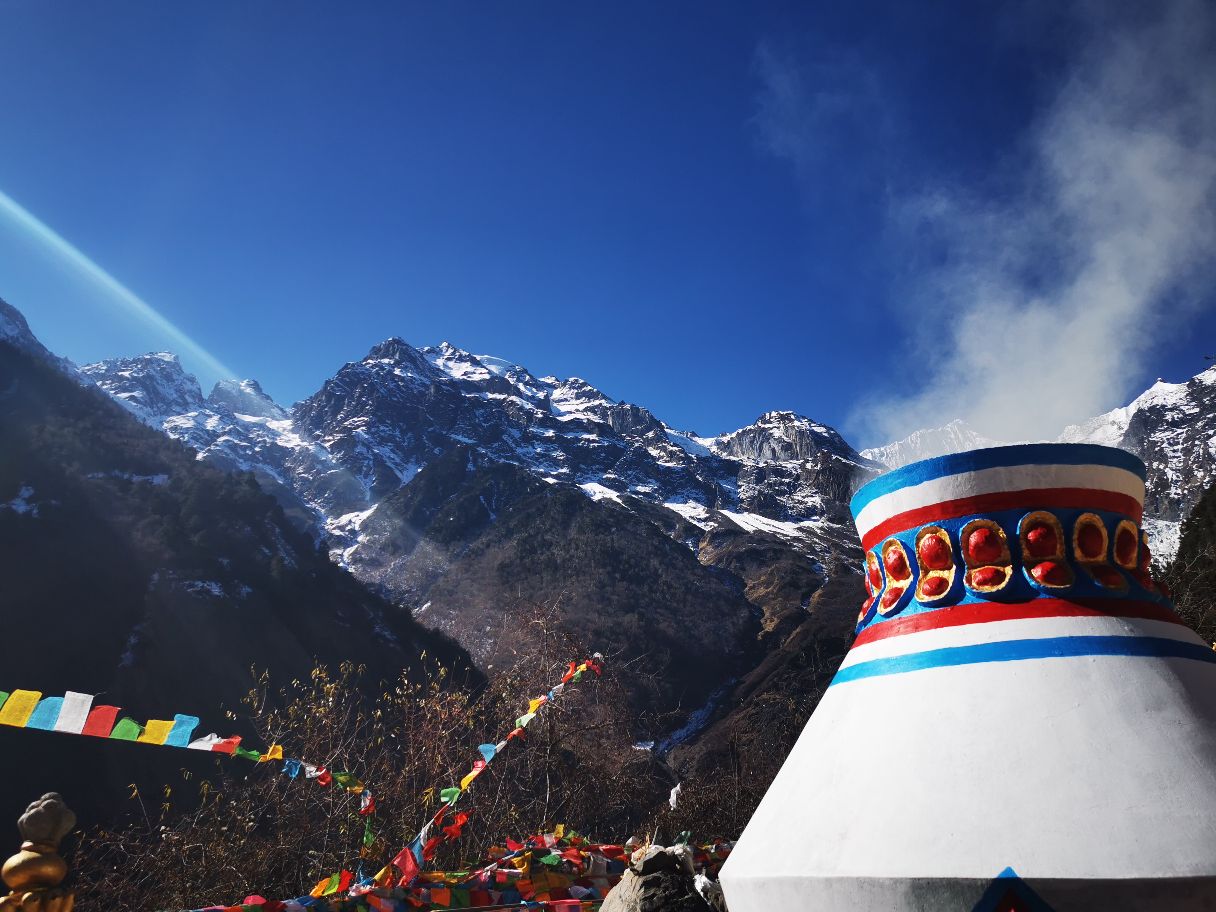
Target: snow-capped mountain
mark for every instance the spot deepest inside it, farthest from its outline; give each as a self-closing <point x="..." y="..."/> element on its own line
<point x="955" y="437"/>
<point x="237" y="427"/>
<point x="151" y="387"/>
<point x="346" y="460"/>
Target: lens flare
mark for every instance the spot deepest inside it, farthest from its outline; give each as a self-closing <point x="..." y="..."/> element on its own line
<point x="113" y="289"/>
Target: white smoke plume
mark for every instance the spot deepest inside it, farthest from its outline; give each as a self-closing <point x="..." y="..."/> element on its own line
<point x="1034" y="305"/>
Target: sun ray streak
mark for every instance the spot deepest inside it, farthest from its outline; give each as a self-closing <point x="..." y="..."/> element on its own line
<point x="115" y="290"/>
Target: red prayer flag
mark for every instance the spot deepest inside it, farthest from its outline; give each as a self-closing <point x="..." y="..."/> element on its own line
<point x="407" y="864"/>
<point x="100" y="721"/>
<point x="226" y="745"/>
<point x="432" y="845"/>
<point x="452" y="830"/>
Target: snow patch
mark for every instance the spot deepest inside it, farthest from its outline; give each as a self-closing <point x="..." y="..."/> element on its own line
<point x="203" y="587"/>
<point x="597" y="491"/>
<point x="22" y="503"/>
<point x="695" y="513"/>
<point x="1164" y="537"/>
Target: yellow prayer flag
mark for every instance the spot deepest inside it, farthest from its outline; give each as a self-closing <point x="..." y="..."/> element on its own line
<point x="19" y="707"/>
<point x="559" y="831"/>
<point x="534" y="705"/>
<point x="274" y="752"/>
<point x="464" y="783"/>
<point x="156" y="732"/>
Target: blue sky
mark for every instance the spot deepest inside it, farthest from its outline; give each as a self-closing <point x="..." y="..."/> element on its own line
<point x="713" y="209"/>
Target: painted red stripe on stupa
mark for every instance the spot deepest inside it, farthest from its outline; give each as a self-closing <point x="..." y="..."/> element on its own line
<point x="985" y="612"/>
<point x="1030" y="499"/>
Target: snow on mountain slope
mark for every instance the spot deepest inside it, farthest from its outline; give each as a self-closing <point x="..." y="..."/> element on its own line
<point x="379" y="421"/>
<point x="338" y="455"/>
<point x="152" y="387"/>
<point x="245" y="397"/>
<point x="955" y="437"/>
<point x="237" y="426"/>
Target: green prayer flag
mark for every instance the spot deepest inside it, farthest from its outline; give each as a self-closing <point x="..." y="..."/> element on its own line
<point x="449" y="795"/>
<point x="127" y="729"/>
<point x="347" y="780"/>
<point x="244" y="752"/>
<point x="368" y="836"/>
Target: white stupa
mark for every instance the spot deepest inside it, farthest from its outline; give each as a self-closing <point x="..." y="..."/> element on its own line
<point x="1022" y="723"/>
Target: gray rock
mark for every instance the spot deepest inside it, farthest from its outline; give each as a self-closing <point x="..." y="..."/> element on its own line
<point x="662" y="880"/>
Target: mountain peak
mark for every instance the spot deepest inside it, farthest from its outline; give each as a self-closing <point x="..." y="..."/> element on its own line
<point x="152" y="386"/>
<point x="244" y="397"/>
<point x="953" y="437"/>
<point x="393" y="348"/>
<point x="784" y="436"/>
<point x="16" y="332"/>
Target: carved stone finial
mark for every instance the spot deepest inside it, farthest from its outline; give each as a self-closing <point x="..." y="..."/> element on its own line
<point x="47" y="820"/>
<point x="35" y="873"/>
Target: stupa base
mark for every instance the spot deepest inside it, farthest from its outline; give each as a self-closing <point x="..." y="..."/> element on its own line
<point x="1004" y="894"/>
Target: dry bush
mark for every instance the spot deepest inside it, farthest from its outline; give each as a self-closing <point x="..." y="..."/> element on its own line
<point x="252" y="829"/>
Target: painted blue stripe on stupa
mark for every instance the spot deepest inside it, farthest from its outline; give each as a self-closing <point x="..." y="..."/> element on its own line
<point x="992" y="458"/>
<point x="1018" y="650"/>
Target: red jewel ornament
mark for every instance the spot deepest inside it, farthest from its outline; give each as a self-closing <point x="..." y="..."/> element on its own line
<point x="987" y="577"/>
<point x="934" y="553"/>
<point x="892" y="595"/>
<point x="933" y="586"/>
<point x="875" y="573"/>
<point x="1089" y="541"/>
<point x="1041" y="541"/>
<point x="1125" y="546"/>
<point x="1050" y="573"/>
<point x="896" y="563"/>
<point x="984" y="546"/>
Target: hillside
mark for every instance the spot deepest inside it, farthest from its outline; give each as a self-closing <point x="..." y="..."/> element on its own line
<point x="165" y="579"/>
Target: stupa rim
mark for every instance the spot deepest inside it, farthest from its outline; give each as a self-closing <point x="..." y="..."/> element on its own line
<point x="1012" y="455"/>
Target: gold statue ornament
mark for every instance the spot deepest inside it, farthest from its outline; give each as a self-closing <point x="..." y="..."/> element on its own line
<point x="35" y="873"/>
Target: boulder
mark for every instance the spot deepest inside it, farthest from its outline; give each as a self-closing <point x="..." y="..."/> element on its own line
<point x="661" y="880"/>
